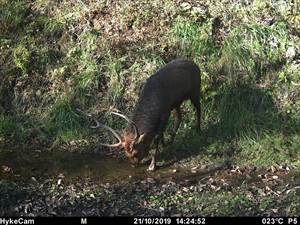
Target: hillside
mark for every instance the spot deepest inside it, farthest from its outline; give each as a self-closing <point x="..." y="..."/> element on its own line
<point x="60" y="56"/>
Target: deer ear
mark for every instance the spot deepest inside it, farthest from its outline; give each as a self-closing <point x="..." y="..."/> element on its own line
<point x="141" y="138"/>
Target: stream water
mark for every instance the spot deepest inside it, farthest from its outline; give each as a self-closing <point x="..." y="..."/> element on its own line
<point x="24" y="165"/>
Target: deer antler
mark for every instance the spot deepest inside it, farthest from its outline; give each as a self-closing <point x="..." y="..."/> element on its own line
<point x="112" y="131"/>
<point x="98" y="124"/>
<point x="130" y="122"/>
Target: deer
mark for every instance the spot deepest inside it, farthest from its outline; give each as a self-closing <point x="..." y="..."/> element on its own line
<point x="162" y="93"/>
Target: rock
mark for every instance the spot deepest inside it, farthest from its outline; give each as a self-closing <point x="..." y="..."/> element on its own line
<point x="198" y="11"/>
<point x="6" y="169"/>
<point x="274" y="42"/>
<point x="151" y="180"/>
<point x="290" y="53"/>
<point x="185" y="6"/>
<point x="176" y="215"/>
<point x="161" y="209"/>
<point x="194" y="169"/>
<point x="185" y="189"/>
<point x="59" y="181"/>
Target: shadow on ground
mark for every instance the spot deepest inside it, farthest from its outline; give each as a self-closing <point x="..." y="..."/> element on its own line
<point x="240" y="112"/>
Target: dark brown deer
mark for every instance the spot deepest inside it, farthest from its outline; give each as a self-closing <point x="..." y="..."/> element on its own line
<point x="163" y="92"/>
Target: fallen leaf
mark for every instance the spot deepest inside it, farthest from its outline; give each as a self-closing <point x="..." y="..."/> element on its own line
<point x="6" y="169"/>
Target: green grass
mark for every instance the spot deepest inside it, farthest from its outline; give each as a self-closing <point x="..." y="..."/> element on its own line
<point x="64" y="123"/>
<point x="194" y="39"/>
<point x="96" y="55"/>
<point x="268" y="149"/>
<point x="8" y="126"/>
<point x="243" y="125"/>
<point x="245" y="110"/>
<point x="252" y="50"/>
<point x="235" y="202"/>
<point x="22" y="57"/>
<point x="13" y="14"/>
<point x="66" y="59"/>
<point x="224" y="203"/>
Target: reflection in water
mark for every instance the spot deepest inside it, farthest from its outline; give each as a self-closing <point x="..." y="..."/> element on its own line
<point x="32" y="165"/>
<point x="23" y="165"/>
<point x="27" y="165"/>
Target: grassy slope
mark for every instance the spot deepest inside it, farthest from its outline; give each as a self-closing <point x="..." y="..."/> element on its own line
<point x="95" y="55"/>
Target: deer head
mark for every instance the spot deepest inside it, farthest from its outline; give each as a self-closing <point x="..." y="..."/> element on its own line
<point x="132" y="142"/>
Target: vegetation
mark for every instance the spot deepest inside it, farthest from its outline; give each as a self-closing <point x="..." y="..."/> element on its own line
<point x="58" y="56"/>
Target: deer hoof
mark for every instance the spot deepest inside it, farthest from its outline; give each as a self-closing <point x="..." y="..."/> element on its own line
<point x="151" y="168"/>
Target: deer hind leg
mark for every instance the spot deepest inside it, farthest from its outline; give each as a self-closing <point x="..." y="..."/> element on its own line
<point x="178" y="119"/>
<point x="196" y="102"/>
<point x="159" y="138"/>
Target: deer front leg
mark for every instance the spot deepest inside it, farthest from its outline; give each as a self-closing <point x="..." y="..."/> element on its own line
<point x="152" y="165"/>
<point x="158" y="139"/>
<point x="178" y="118"/>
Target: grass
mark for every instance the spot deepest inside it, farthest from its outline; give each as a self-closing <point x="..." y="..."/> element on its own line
<point x="223" y="203"/>
<point x="7" y="126"/>
<point x="96" y="55"/>
<point x="253" y="50"/>
<point x="64" y="122"/>
<point x="244" y="110"/>
<point x="13" y="14"/>
<point x="22" y="58"/>
<point x="194" y="39"/>
<point x="268" y="149"/>
<point x="66" y="58"/>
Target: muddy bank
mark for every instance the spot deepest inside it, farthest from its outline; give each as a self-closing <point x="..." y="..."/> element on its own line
<point x="34" y="183"/>
<point x="38" y="165"/>
<point x="23" y="165"/>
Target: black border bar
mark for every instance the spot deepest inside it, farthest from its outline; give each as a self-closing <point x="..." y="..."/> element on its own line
<point x="293" y="220"/>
